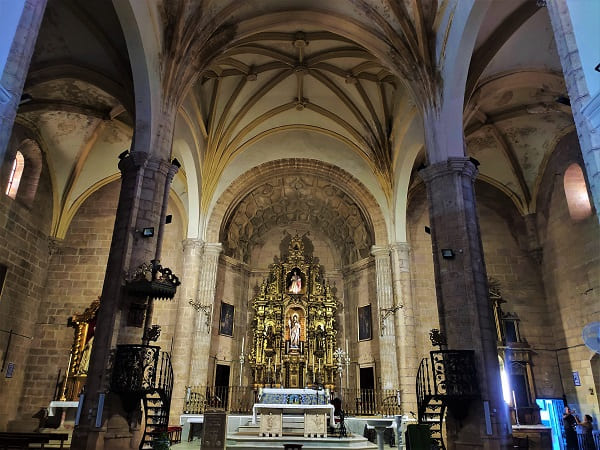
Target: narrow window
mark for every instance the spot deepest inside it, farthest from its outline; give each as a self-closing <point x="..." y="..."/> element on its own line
<point x="15" y="176"/>
<point x="576" y="192"/>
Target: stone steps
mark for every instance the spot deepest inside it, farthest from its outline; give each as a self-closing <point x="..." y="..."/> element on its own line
<point x="244" y="442"/>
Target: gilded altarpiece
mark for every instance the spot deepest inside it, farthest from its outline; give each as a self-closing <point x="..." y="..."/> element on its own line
<point x="79" y="359"/>
<point x="294" y="328"/>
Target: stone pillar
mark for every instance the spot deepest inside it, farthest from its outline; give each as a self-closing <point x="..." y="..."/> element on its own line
<point x="186" y="324"/>
<point x="203" y="320"/>
<point x="385" y="306"/>
<point x="462" y="295"/>
<point x="408" y="358"/>
<point x="585" y="108"/>
<point x="17" y="65"/>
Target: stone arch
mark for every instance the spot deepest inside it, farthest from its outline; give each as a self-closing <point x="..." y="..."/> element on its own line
<point x="137" y="23"/>
<point x="236" y="192"/>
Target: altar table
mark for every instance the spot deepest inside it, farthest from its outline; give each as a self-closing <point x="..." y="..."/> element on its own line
<point x="300" y="409"/>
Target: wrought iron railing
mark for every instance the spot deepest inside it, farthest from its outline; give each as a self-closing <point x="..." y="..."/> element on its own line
<point x="447" y="375"/>
<point x="240" y="400"/>
<point x="140" y="369"/>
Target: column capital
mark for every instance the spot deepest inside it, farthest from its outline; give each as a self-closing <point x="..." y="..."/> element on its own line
<point x="192" y="244"/>
<point x="401" y="247"/>
<point x="461" y="166"/>
<point x="132" y="162"/>
<point x="55" y="245"/>
<point x="213" y="248"/>
<point x="380" y="251"/>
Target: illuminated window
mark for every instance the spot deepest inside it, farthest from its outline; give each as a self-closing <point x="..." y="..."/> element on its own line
<point x="576" y="192"/>
<point x="15" y="176"/>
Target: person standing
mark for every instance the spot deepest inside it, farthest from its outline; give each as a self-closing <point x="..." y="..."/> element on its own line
<point x="570" y="427"/>
<point x="586" y="432"/>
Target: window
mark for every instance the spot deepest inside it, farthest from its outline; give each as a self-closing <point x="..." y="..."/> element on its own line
<point x="15" y="176"/>
<point x="578" y="200"/>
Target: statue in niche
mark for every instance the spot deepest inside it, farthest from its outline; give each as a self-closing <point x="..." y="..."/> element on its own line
<point x="295" y="286"/>
<point x="320" y="340"/>
<point x="295" y="329"/>
<point x="270" y="337"/>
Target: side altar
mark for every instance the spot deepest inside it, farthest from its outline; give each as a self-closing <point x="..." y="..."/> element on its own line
<point x="294" y="327"/>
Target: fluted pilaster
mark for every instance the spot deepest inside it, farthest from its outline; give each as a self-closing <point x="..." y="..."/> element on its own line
<point x="408" y="359"/>
<point x="186" y="322"/>
<point x="205" y="299"/>
<point x="385" y="316"/>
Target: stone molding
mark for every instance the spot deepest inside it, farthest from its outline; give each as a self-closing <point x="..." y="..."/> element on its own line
<point x="212" y="249"/>
<point x="358" y="266"/>
<point x="192" y="244"/>
<point x="461" y="166"/>
<point x="55" y="246"/>
<point x="380" y="251"/>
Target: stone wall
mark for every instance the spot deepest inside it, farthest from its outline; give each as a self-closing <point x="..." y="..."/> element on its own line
<point x="75" y="278"/>
<point x="422" y="278"/>
<point x="571" y="268"/>
<point x="24" y="250"/>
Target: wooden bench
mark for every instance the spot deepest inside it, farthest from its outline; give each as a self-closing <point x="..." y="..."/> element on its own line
<point x="16" y="440"/>
<point x="174" y="433"/>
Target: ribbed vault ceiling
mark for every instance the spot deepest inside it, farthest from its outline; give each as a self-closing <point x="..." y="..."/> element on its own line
<point x="315" y="81"/>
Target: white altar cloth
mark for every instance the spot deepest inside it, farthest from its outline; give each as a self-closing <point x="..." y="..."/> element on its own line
<point x="294" y="409"/>
<point x="60" y="404"/>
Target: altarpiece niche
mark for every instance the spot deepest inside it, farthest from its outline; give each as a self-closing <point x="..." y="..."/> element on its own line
<point x="294" y="328"/>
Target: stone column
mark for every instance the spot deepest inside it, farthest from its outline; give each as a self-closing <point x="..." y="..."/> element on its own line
<point x="585" y="108"/>
<point x="186" y="324"/>
<point x="140" y="204"/>
<point x="462" y="295"/>
<point x="17" y="65"/>
<point x="203" y="319"/>
<point x="385" y="306"/>
<point x="408" y="358"/>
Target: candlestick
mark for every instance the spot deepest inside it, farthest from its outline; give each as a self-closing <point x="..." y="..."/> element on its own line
<point x="515" y="405"/>
<point x="242" y="344"/>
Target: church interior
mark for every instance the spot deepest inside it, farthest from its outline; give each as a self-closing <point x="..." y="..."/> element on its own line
<point x="209" y="205"/>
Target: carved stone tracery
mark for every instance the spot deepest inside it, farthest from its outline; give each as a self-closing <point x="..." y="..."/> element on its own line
<point x="298" y="199"/>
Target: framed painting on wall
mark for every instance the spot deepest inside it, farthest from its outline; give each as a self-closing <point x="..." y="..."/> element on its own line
<point x="365" y="330"/>
<point x="226" y="319"/>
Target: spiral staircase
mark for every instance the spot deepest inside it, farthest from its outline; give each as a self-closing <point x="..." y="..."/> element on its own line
<point x="445" y="380"/>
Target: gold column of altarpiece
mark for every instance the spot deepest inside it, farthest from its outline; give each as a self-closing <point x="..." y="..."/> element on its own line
<point x="294" y="327"/>
<point x="79" y="359"/>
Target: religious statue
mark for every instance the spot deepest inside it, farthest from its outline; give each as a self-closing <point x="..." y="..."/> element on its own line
<point x="270" y="337"/>
<point x="295" y="283"/>
<point x="320" y="339"/>
<point x="294" y="331"/>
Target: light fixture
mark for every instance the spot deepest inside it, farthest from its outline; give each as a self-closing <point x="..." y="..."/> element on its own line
<point x="176" y="163"/>
<point x="475" y="162"/>
<point x="124" y="154"/>
<point x="148" y="232"/>
<point x="427" y="229"/>
<point x="169" y="218"/>
<point x="447" y="253"/>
